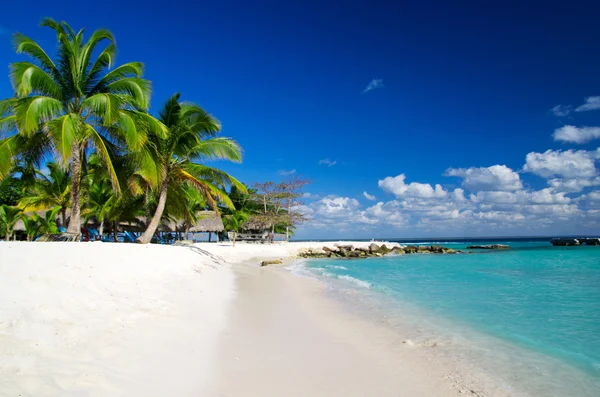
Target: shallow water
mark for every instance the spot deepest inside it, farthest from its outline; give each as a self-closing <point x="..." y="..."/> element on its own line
<point x="530" y="314"/>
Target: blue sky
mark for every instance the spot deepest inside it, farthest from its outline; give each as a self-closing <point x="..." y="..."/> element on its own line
<point x="460" y="87"/>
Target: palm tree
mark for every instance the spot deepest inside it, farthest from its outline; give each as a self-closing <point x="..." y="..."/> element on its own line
<point x="74" y="103"/>
<point x="32" y="226"/>
<point x="49" y="191"/>
<point x="8" y="218"/>
<point x="36" y="224"/>
<point x="168" y="164"/>
<point x="235" y="221"/>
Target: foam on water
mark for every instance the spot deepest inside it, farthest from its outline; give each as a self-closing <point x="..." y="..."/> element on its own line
<point x="530" y="315"/>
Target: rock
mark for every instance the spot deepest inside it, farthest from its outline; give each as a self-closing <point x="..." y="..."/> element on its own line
<point x="436" y="249"/>
<point x="422" y="248"/>
<point x="373" y="248"/>
<point x="327" y="249"/>
<point x="410" y="249"/>
<point x="353" y="254"/>
<point x="378" y="254"/>
<point x="399" y="252"/>
<point x="347" y="247"/>
<point x="344" y="252"/>
<point x="271" y="262"/>
<point x="488" y="247"/>
<point x="448" y="251"/>
<point x="384" y="250"/>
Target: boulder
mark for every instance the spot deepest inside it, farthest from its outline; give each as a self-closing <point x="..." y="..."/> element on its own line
<point x="327" y="249"/>
<point x="436" y="249"/>
<point x="353" y="254"/>
<point x="271" y="262"/>
<point x="348" y="247"/>
<point x="399" y="251"/>
<point x="373" y="248"/>
<point x="448" y="251"/>
<point x="410" y="249"/>
<point x="384" y="249"/>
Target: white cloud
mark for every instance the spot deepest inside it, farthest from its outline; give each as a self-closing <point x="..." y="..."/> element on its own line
<point x="369" y="196"/>
<point x="567" y="164"/>
<point x="573" y="185"/>
<point x="327" y="162"/>
<point x="572" y="134"/>
<point x="373" y="85"/>
<point x="396" y="186"/>
<point x="591" y="103"/>
<point x="496" y="177"/>
<point x="561" y="110"/>
<point x="286" y="172"/>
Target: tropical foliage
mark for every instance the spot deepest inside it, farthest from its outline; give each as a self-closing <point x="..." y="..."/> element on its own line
<point x="80" y="145"/>
<point x="73" y="104"/>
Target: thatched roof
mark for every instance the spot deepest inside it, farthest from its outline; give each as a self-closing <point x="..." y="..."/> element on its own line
<point x="209" y="221"/>
<point x="256" y="223"/>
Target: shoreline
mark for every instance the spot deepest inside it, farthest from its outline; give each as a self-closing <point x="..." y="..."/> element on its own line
<point x="384" y="363"/>
<point x="285" y="337"/>
<point x="125" y="319"/>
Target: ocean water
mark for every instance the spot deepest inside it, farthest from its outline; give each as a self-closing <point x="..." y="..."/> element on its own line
<point x="529" y="315"/>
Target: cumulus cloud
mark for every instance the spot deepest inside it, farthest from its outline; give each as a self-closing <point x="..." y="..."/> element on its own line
<point x="561" y="110"/>
<point x="573" y="185"/>
<point x="286" y="172"/>
<point x="572" y="134"/>
<point x="369" y="196"/>
<point x="567" y="164"/>
<point x="327" y="162"/>
<point x="496" y="177"/>
<point x="591" y="103"/>
<point x="399" y="188"/>
<point x="374" y="85"/>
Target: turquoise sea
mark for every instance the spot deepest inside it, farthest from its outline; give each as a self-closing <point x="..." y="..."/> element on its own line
<point x="529" y="315"/>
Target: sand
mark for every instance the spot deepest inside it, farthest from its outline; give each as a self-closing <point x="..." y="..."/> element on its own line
<point x="104" y="319"/>
<point x="98" y="319"/>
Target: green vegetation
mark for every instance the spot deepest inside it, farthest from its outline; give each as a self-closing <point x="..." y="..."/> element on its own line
<point x="80" y="146"/>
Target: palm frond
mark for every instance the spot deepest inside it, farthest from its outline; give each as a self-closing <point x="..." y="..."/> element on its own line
<point x="217" y="149"/>
<point x="28" y="78"/>
<point x="32" y="111"/>
<point x="26" y="45"/>
<point x="64" y="132"/>
<point x="104" y="154"/>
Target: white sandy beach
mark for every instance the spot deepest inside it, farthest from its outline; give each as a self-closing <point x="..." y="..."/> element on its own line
<point x="98" y="319"/>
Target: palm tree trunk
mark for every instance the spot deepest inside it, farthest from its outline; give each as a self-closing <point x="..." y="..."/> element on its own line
<point x="187" y="231"/>
<point x="114" y="225"/>
<point x="75" y="221"/>
<point x="63" y="215"/>
<point x="7" y="237"/>
<point x="101" y="229"/>
<point x="151" y="229"/>
<point x="209" y="236"/>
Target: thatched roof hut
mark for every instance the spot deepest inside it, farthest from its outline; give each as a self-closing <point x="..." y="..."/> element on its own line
<point x="209" y="221"/>
<point x="256" y="223"/>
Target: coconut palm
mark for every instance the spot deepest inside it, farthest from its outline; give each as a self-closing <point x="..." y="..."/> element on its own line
<point x="235" y="221"/>
<point x="9" y="216"/>
<point x="49" y="190"/>
<point x="170" y="163"/>
<point x="36" y="224"/>
<point x="73" y="103"/>
<point x="32" y="226"/>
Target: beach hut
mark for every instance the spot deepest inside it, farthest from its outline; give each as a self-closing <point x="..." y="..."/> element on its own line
<point x="208" y="222"/>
